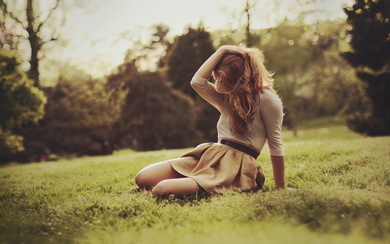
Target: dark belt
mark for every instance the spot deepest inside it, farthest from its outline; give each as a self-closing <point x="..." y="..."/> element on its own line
<point x="240" y="147"/>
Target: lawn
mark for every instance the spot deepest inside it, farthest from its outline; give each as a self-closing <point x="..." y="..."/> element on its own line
<point x="341" y="194"/>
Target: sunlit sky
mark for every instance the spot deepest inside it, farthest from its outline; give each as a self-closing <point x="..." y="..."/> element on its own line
<point x="99" y="35"/>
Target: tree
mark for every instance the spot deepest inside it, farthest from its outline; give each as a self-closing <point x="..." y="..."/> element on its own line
<point x="285" y="48"/>
<point x="154" y="116"/>
<point x="310" y="76"/>
<point x="334" y="87"/>
<point x="36" y="27"/>
<point x="20" y="103"/>
<point x="188" y="53"/>
<point x="161" y="43"/>
<point x="288" y="56"/>
<point x="249" y="6"/>
<point x="370" y="55"/>
<point x="152" y="54"/>
<point x="80" y="118"/>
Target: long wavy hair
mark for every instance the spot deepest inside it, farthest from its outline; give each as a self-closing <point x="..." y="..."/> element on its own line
<point x="240" y="78"/>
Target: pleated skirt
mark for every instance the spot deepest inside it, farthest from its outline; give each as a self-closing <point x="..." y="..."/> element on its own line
<point x="217" y="168"/>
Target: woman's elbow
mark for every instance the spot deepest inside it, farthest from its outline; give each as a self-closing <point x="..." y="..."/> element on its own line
<point x="192" y="83"/>
<point x="195" y="85"/>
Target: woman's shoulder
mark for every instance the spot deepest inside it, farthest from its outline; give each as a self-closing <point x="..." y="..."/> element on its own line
<point x="268" y="95"/>
<point x="269" y="100"/>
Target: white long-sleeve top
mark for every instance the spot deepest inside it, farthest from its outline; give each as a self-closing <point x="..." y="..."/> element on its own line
<point x="267" y="124"/>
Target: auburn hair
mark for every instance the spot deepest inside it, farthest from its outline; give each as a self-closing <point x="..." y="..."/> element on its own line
<point x="240" y="78"/>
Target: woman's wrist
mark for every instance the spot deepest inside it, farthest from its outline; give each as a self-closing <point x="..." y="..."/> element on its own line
<point x="222" y="50"/>
<point x="281" y="185"/>
<point x="229" y="49"/>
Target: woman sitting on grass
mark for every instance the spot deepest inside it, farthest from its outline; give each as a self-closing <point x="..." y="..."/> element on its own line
<point x="251" y="112"/>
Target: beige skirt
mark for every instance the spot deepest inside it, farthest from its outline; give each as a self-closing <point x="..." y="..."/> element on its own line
<point x="217" y="168"/>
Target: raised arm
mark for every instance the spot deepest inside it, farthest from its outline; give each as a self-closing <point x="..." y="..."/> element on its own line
<point x="200" y="80"/>
<point x="208" y="66"/>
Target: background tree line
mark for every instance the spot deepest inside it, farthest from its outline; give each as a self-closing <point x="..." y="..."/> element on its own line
<point x="150" y="110"/>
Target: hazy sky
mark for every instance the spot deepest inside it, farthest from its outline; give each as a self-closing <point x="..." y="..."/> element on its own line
<point x="99" y="35"/>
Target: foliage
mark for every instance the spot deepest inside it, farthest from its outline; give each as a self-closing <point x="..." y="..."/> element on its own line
<point x="310" y="76"/>
<point x="370" y="43"/>
<point x="206" y="120"/>
<point x="87" y="117"/>
<point x="160" y="41"/>
<point x="20" y="103"/>
<point x="287" y="55"/>
<point x="188" y="53"/>
<point x="369" y="19"/>
<point x="152" y="54"/>
<point x="80" y="115"/>
<point x="154" y="116"/>
<point x="39" y="28"/>
<point x="341" y="183"/>
<point x="283" y="41"/>
<point x="329" y="79"/>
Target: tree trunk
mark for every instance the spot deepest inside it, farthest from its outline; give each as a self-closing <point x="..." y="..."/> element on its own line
<point x="248" y="30"/>
<point x="35" y="44"/>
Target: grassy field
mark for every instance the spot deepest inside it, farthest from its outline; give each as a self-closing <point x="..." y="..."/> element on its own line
<point x="342" y="195"/>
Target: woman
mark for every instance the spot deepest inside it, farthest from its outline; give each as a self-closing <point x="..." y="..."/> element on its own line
<point x="251" y="112"/>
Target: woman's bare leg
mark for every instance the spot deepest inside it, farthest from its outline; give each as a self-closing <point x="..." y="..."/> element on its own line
<point x="180" y="187"/>
<point x="151" y="175"/>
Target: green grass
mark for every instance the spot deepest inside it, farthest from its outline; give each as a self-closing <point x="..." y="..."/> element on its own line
<point x="342" y="195"/>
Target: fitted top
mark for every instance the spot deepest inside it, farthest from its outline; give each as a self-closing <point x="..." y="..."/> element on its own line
<point x="267" y="123"/>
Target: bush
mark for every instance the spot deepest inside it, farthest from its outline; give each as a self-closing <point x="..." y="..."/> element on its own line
<point x="20" y="103"/>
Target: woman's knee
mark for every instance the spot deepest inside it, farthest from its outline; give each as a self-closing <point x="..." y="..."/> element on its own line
<point x="151" y="175"/>
<point x="138" y="179"/>
<point x="162" y="188"/>
<point x="179" y="187"/>
<point x="143" y="180"/>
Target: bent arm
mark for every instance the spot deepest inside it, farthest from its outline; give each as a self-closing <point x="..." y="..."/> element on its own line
<point x="209" y="65"/>
<point x="200" y="82"/>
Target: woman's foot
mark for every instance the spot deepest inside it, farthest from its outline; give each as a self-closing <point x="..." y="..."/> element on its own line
<point x="137" y="189"/>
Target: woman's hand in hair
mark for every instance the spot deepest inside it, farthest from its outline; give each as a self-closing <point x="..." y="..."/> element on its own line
<point x="229" y="49"/>
<point x="208" y="66"/>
